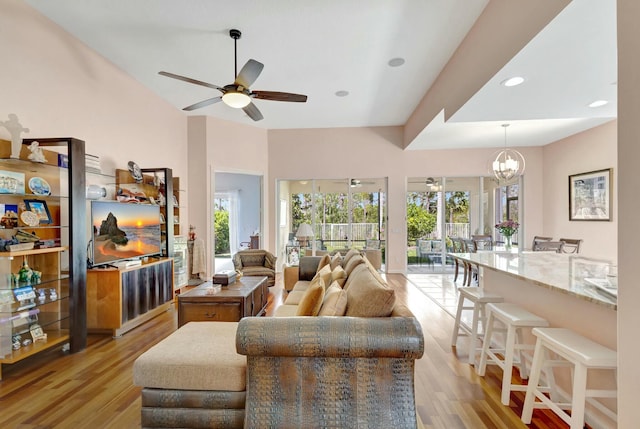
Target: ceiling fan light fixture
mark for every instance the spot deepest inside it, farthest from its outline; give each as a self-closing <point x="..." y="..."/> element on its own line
<point x="237" y="100"/>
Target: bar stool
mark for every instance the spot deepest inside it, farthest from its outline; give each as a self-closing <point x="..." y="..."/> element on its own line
<point x="583" y="354"/>
<point x="479" y="298"/>
<point x="514" y="318"/>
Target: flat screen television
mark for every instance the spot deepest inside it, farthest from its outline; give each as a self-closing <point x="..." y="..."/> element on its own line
<point x="124" y="231"/>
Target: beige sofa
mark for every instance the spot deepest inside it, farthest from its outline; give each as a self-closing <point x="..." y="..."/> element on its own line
<point x="307" y="367"/>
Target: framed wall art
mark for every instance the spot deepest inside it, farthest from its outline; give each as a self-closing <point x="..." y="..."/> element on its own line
<point x="590" y="195"/>
<point x="40" y="208"/>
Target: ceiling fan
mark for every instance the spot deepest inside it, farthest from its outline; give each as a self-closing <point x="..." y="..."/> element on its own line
<point x="238" y="94"/>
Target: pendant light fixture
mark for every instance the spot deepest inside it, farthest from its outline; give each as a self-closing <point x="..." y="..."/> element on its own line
<point x="508" y="163"/>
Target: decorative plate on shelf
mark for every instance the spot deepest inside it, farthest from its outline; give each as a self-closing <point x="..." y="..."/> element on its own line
<point x="30" y="218"/>
<point x="135" y="171"/>
<point x="39" y="186"/>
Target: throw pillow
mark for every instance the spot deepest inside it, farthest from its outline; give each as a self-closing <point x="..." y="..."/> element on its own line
<point x="325" y="260"/>
<point x="312" y="300"/>
<point x="335" y="304"/>
<point x="325" y="274"/>
<point x="353" y="262"/>
<point x="367" y="296"/>
<point x="336" y="261"/>
<point x="349" y="255"/>
<point x="339" y="275"/>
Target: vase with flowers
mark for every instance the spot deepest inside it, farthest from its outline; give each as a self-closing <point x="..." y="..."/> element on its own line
<point x="507" y="228"/>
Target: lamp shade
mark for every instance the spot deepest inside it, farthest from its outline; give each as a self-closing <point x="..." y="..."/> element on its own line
<point x="304" y="231"/>
<point x="236" y="99"/>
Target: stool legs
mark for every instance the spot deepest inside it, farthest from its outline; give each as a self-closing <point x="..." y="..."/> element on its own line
<point x="473" y="335"/>
<point x="532" y="387"/>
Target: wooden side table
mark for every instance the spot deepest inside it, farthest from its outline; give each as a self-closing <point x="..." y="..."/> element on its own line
<point x="291" y="273"/>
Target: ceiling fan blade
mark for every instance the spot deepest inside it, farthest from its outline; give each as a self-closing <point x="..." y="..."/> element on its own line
<point x="189" y="80"/>
<point x="203" y="103"/>
<point x="249" y="73"/>
<point x="279" y="96"/>
<point x="253" y="112"/>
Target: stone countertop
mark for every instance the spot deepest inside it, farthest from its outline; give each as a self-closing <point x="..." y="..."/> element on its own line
<point x="585" y="278"/>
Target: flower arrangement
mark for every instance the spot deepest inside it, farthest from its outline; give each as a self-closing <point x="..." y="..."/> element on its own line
<point x="508" y="227"/>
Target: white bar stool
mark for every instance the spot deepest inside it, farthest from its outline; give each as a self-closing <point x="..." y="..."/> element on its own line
<point x="513" y="319"/>
<point x="479" y="298"/>
<point x="583" y="354"/>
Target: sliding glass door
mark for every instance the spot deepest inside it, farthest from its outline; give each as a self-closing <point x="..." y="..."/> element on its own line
<point x="324" y="215"/>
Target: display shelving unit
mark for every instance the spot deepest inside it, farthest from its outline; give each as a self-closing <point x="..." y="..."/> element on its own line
<point x="52" y="302"/>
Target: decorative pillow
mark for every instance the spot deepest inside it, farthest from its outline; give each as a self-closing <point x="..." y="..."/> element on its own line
<point x="312" y="300"/>
<point x="353" y="262"/>
<point x="324" y="273"/>
<point x="325" y="260"/>
<point x="335" y="303"/>
<point x="339" y="275"/>
<point x="349" y="255"/>
<point x="334" y="287"/>
<point x="367" y="296"/>
<point x="336" y="261"/>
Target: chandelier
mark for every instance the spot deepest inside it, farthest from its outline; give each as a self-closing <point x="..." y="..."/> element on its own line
<point x="508" y="163"/>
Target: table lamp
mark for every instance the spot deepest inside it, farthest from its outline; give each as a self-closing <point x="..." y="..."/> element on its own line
<point x="304" y="232"/>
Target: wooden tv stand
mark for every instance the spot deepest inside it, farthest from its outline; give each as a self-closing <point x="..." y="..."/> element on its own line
<point x="119" y="299"/>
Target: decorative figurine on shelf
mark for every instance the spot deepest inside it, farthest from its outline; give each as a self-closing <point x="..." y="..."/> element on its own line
<point x="15" y="129"/>
<point x="24" y="275"/>
<point x="41" y="295"/>
<point x="36" y="155"/>
<point x="161" y="200"/>
<point x="53" y="295"/>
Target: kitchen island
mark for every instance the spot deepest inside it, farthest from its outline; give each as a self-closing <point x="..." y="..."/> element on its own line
<point x="569" y="291"/>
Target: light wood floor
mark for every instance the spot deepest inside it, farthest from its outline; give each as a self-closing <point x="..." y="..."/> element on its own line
<point x="93" y="388"/>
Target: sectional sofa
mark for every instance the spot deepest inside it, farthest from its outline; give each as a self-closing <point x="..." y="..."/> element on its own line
<point x="340" y="353"/>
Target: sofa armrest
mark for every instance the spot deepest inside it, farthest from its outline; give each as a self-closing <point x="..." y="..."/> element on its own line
<point x="341" y="337"/>
<point x="308" y="266"/>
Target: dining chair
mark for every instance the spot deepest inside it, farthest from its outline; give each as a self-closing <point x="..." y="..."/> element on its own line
<point x="539" y="239"/>
<point x="549" y="246"/>
<point x="571" y="245"/>
<point x="482" y="242"/>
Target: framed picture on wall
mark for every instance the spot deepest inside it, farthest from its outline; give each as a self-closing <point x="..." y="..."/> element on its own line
<point x="590" y="195"/>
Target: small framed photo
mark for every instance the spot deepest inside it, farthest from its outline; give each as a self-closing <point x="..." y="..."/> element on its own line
<point x="590" y="195"/>
<point x="40" y="208"/>
<point x="293" y="255"/>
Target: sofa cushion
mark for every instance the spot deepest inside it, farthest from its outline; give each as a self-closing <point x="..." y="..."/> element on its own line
<point x="302" y="285"/>
<point x="335" y="302"/>
<point x="367" y="296"/>
<point x="353" y="262"/>
<point x="253" y="260"/>
<point x="336" y="261"/>
<point x="197" y="356"/>
<point x="286" y="311"/>
<point x="339" y="275"/>
<point x="294" y="297"/>
<point x="312" y="300"/>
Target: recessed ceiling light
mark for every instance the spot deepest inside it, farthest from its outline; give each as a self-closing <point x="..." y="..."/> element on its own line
<point x="396" y="62"/>
<point x="598" y="103"/>
<point x="342" y="93"/>
<point x="513" y="81"/>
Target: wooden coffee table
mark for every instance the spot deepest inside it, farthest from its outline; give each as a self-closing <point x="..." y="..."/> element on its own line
<point x="245" y="297"/>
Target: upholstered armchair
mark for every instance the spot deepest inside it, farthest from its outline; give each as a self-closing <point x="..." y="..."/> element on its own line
<point x="256" y="262"/>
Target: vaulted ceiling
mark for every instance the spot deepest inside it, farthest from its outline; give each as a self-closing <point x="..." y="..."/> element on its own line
<point x="322" y="48"/>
